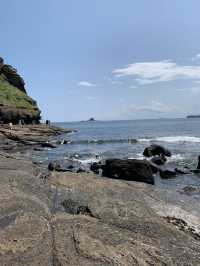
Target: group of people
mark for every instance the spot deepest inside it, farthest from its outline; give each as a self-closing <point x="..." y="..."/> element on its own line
<point x="21" y="123"/>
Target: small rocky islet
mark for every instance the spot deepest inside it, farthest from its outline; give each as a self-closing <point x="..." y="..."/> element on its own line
<point x="53" y="217"/>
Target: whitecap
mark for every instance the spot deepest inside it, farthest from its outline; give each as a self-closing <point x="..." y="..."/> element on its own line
<point x="88" y="161"/>
<point x="179" y="139"/>
<point x="172" y="139"/>
<point x="176" y="157"/>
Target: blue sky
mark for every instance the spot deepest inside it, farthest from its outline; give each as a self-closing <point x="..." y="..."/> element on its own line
<point x="108" y="59"/>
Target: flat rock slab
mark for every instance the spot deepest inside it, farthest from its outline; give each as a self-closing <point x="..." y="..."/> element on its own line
<point x="81" y="240"/>
<point x="120" y="228"/>
<point x="83" y="219"/>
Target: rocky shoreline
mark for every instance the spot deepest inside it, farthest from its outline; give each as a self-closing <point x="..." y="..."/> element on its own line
<point x="55" y="218"/>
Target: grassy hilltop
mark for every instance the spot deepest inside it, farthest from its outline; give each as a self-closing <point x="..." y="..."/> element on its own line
<point x="15" y="104"/>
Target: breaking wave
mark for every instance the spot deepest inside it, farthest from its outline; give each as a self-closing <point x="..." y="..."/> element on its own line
<point x="102" y="141"/>
<point x="172" y="139"/>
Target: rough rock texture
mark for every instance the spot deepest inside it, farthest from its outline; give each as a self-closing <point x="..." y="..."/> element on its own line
<point x="15" y="104"/>
<point x="27" y="136"/>
<point x="129" y="169"/>
<point x="154" y="150"/>
<point x="60" y="219"/>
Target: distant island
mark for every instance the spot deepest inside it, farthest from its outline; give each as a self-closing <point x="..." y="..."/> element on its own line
<point x="91" y="119"/>
<point x="193" y="116"/>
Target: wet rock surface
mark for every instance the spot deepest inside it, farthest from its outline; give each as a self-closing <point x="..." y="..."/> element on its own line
<point x="56" y="219"/>
<point x="156" y="150"/>
<point x="130" y="169"/>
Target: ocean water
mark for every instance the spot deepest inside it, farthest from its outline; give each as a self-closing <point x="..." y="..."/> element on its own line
<point x="127" y="139"/>
<point x="98" y="140"/>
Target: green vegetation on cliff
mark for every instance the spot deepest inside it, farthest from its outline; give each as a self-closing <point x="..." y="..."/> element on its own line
<point x="13" y="97"/>
<point x="15" y="103"/>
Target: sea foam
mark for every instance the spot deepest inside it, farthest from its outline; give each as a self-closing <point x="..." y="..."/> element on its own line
<point x="172" y="139"/>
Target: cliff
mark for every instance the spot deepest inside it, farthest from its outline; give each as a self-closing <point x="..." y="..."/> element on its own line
<point x="15" y="104"/>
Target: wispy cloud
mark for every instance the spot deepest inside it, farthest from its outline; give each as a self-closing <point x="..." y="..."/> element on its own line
<point x="162" y="71"/>
<point x="154" y="107"/>
<point x="196" y="57"/>
<point x="86" y="84"/>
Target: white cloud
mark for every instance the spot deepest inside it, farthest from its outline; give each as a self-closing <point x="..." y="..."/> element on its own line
<point x="163" y="71"/>
<point x="196" y="58"/>
<point x="155" y="107"/>
<point x="86" y="84"/>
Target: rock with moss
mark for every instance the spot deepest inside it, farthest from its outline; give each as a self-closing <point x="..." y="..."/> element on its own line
<point x="15" y="104"/>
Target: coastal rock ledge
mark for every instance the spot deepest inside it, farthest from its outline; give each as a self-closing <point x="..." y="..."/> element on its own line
<point x="62" y="219"/>
<point x="15" y="104"/>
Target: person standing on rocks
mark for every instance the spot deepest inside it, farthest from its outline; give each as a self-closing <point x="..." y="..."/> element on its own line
<point x="1" y="63"/>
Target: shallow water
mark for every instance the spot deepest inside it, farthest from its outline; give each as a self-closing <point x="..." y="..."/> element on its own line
<point x="127" y="139"/>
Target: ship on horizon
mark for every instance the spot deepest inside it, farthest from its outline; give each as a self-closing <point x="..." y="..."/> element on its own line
<point x="193" y="116"/>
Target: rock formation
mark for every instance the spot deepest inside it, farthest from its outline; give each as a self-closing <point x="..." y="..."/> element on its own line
<point x="15" y="104"/>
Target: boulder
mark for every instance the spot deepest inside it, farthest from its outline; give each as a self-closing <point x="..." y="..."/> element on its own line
<point x="55" y="166"/>
<point x="165" y="174"/>
<point x="190" y="189"/>
<point x="198" y="164"/>
<point x="182" y="171"/>
<point x="131" y="170"/>
<point x="158" y="160"/>
<point x="95" y="167"/>
<point x="154" y="150"/>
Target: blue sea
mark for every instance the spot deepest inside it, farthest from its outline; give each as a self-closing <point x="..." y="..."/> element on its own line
<point x="99" y="140"/>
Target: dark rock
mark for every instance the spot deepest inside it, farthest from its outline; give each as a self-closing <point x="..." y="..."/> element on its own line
<point x="190" y="189"/>
<point x="55" y="166"/>
<point x="52" y="166"/>
<point x="132" y="170"/>
<point x="81" y="170"/>
<point x="95" y="167"/>
<point x="65" y="141"/>
<point x="158" y="160"/>
<point x="154" y="167"/>
<point x="76" y="207"/>
<point x="196" y="171"/>
<point x="182" y="171"/>
<point x="198" y="165"/>
<point x="37" y="149"/>
<point x="167" y="173"/>
<point x="48" y="145"/>
<point x="154" y="150"/>
<point x="61" y="142"/>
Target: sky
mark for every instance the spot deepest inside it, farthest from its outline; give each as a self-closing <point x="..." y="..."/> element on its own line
<point x="107" y="59"/>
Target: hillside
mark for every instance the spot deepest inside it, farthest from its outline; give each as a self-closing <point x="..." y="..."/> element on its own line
<point x="15" y="104"/>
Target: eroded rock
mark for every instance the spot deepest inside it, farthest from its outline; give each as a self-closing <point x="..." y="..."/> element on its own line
<point x="156" y="150"/>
